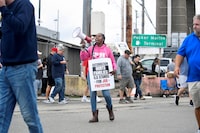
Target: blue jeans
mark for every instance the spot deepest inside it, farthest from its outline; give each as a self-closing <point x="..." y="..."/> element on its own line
<point x="59" y="88"/>
<point x="16" y="85"/>
<point x="93" y="94"/>
<point x="37" y="85"/>
<point x="138" y="90"/>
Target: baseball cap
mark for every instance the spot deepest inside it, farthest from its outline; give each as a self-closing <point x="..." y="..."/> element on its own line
<point x="127" y="52"/>
<point x="54" y="49"/>
<point x="39" y="53"/>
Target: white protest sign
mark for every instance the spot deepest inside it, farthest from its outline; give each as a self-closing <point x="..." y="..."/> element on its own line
<point x="100" y="77"/>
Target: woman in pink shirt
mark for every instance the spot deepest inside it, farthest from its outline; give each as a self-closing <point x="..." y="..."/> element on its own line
<point x="99" y="50"/>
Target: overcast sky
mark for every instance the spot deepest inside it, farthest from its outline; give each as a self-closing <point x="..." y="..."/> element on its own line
<point x="70" y="16"/>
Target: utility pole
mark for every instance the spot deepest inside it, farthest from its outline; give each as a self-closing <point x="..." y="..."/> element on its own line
<point x="129" y="23"/>
<point x="39" y="12"/>
<point x="87" y="4"/>
<point x="122" y="18"/>
<point x="143" y="16"/>
<point x="136" y="16"/>
<point x="169" y="22"/>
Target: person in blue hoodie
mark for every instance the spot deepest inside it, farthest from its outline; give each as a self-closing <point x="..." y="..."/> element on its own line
<point x="19" y="59"/>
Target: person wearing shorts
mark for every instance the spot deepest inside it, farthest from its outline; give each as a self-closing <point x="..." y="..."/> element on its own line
<point x="194" y="90"/>
<point x="190" y="49"/>
<point x="182" y="81"/>
<point x="50" y="80"/>
<point x="124" y="74"/>
<point x="183" y="86"/>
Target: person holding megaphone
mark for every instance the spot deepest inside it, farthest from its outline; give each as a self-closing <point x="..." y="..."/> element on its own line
<point x="85" y="71"/>
<point x="99" y="50"/>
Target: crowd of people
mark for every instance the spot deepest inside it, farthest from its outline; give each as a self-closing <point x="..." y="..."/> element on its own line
<point x="23" y="72"/>
<point x="51" y="69"/>
<point x="50" y="76"/>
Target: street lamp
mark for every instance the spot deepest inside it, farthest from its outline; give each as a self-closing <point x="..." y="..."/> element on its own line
<point x="57" y="26"/>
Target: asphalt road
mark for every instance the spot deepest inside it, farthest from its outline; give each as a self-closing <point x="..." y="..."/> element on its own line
<point x="153" y="115"/>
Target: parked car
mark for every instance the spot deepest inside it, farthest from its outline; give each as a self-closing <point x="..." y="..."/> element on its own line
<point x="147" y="64"/>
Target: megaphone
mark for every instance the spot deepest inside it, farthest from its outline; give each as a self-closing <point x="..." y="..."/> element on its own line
<point x="77" y="33"/>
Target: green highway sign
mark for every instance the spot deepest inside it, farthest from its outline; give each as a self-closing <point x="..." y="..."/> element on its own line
<point x="145" y="40"/>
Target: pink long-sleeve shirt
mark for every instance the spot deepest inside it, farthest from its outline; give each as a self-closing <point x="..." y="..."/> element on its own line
<point x="99" y="52"/>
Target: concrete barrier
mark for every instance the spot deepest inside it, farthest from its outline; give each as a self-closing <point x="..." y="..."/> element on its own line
<point x="74" y="85"/>
<point x="151" y="85"/>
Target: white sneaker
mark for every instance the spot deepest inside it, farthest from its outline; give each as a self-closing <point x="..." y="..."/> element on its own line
<point x="66" y="99"/>
<point x="99" y="99"/>
<point x="198" y="131"/>
<point x="46" y="101"/>
<point x="63" y="102"/>
<point x="51" y="100"/>
<point x="85" y="99"/>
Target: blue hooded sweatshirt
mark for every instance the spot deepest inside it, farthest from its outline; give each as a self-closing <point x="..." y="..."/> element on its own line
<point x="19" y="40"/>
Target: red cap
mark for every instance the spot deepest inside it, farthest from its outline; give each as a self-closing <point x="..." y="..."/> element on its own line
<point x="54" y="49"/>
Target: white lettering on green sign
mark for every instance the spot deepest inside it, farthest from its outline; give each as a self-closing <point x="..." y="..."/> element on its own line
<point x="143" y="40"/>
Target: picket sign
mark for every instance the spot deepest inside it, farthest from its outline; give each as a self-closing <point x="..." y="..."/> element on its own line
<point x="100" y="77"/>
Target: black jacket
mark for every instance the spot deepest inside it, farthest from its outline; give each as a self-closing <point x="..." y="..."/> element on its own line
<point x="137" y="70"/>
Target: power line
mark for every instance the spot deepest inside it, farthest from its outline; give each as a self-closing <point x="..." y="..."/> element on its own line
<point x="146" y="12"/>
